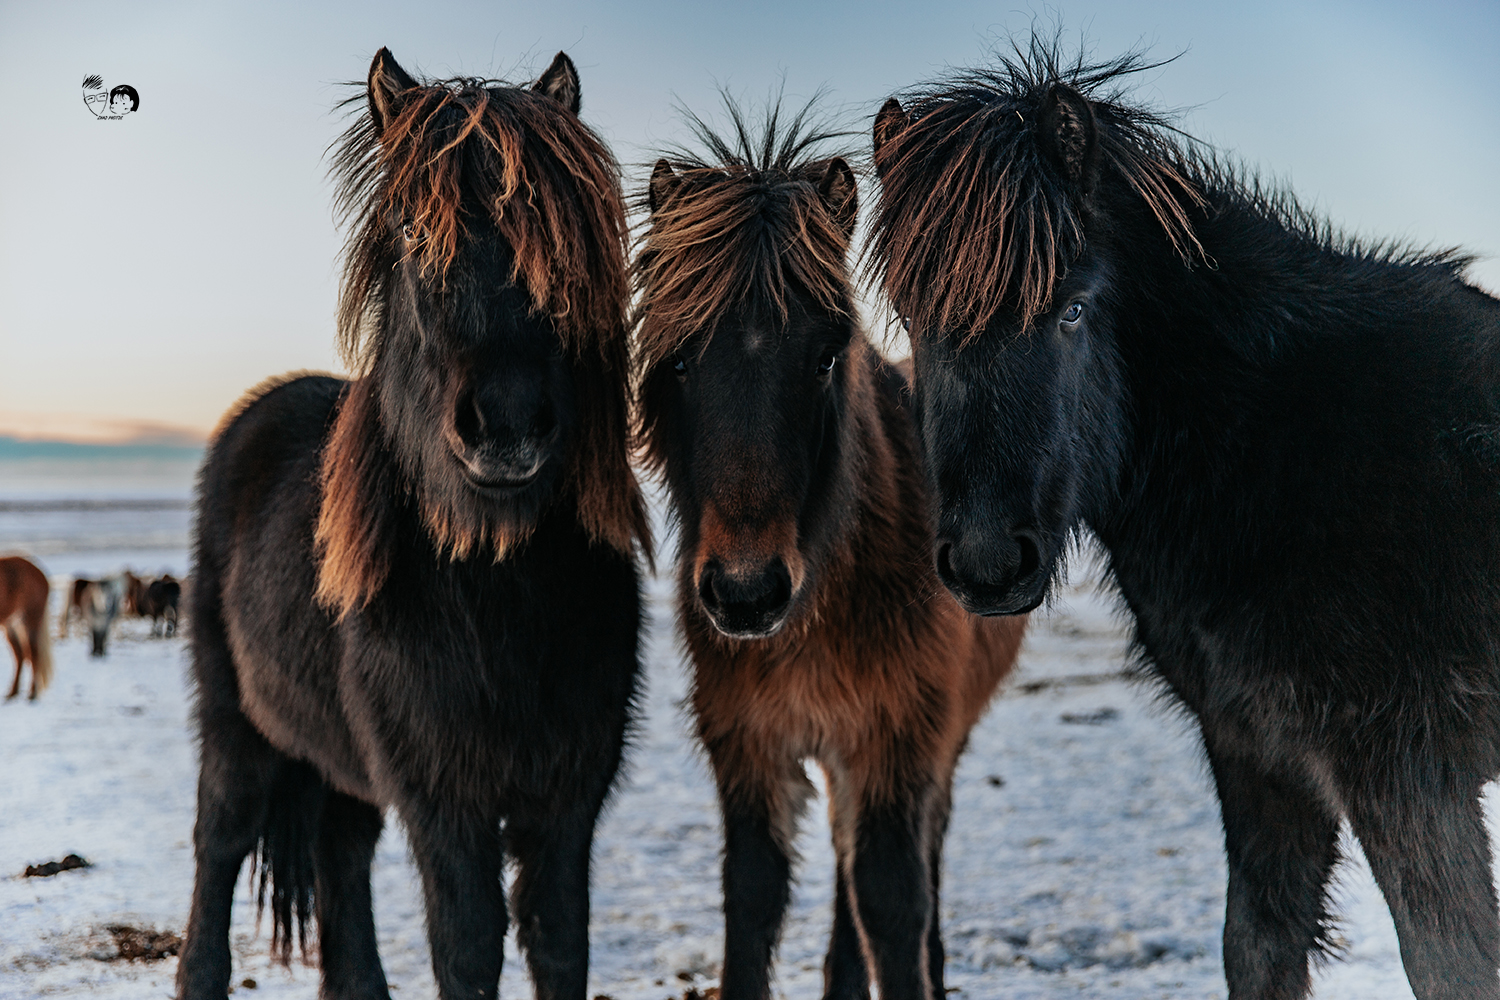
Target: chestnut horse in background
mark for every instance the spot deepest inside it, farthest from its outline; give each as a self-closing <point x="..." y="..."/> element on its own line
<point x="806" y="589"/>
<point x="23" y="614"/>
<point x="73" y="605"/>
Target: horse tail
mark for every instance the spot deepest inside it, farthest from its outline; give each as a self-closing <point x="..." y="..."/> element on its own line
<point x="41" y="653"/>
<point x="285" y="860"/>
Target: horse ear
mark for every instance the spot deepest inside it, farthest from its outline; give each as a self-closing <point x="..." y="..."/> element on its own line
<point x="387" y="81"/>
<point x="1071" y="133"/>
<point x="560" y="83"/>
<point x="663" y="183"/>
<point x="890" y="122"/>
<point x="840" y="193"/>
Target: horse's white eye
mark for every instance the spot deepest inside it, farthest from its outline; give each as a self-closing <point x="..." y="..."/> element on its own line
<point x="827" y="361"/>
<point x="410" y="233"/>
<point x="1073" y="313"/>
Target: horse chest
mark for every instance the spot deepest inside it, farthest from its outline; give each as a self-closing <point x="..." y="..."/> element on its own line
<point x="495" y="708"/>
<point x="817" y="703"/>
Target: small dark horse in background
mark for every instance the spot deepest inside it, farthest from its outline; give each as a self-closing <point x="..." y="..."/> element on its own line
<point x="158" y="600"/>
<point x="418" y="588"/>
<point x="1288" y="443"/>
<point x="23" y="616"/>
<point x="805" y="583"/>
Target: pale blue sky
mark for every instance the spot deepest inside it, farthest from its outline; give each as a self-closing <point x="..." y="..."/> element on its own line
<point x="153" y="268"/>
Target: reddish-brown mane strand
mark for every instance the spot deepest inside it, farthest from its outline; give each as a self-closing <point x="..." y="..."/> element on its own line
<point x="352" y="559"/>
<point x="745" y="220"/>
<point x="551" y="187"/>
<point x="552" y="190"/>
<point x="972" y="217"/>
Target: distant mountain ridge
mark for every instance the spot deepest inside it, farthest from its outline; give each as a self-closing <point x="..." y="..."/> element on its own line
<point x="18" y="448"/>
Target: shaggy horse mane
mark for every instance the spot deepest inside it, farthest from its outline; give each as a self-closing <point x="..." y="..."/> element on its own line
<point x="551" y="186"/>
<point x="744" y="221"/>
<point x="1228" y="184"/>
<point x="971" y="153"/>
<point x="552" y="190"/>
<point x="972" y="217"/>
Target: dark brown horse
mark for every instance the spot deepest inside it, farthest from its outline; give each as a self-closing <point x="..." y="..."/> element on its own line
<point x="417" y="588"/>
<point x="158" y="600"/>
<point x="817" y="626"/>
<point x="23" y="615"/>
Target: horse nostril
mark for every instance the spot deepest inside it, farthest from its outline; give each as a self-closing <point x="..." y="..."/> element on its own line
<point x="1031" y="554"/>
<point x="468" y="422"/>
<point x="545" y="421"/>
<point x="945" y="559"/>
<point x="707" y="592"/>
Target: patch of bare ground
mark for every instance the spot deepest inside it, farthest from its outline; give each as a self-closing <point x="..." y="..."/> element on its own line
<point x="139" y="944"/>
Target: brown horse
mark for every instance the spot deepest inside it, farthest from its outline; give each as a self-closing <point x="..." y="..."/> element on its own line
<point x="806" y="585"/>
<point x="74" y="605"/>
<point x="23" y="612"/>
<point x="135" y="595"/>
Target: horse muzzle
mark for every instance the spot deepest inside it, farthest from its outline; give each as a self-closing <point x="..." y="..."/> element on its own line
<point x="744" y="602"/>
<point x="1005" y="576"/>
<point x="493" y="467"/>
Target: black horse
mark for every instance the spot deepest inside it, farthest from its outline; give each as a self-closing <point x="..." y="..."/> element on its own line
<point x="1287" y="441"/>
<point x="159" y="603"/>
<point x="417" y="588"/>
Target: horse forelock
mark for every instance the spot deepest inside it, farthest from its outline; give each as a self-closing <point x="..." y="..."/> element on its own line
<point x="745" y="222"/>
<point x="548" y="183"/>
<point x="552" y="190"/>
<point x="972" y="217"/>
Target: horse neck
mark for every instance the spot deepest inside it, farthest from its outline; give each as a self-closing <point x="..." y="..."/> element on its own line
<point x="882" y="513"/>
<point x="1259" y="291"/>
<point x="1218" y="355"/>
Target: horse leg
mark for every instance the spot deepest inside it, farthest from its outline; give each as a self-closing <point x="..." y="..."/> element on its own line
<point x="550" y="897"/>
<point x="893" y="894"/>
<point x="845" y="973"/>
<point x="760" y="825"/>
<point x="40" y="647"/>
<point x="460" y="856"/>
<point x="937" y="833"/>
<point x="347" y="834"/>
<point x="845" y="976"/>
<point x="15" y="646"/>
<point x="1281" y="842"/>
<point x="236" y="775"/>
<point x="237" y="770"/>
<point x="1430" y="853"/>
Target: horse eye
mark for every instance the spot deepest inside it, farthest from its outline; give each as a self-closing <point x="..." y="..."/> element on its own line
<point x="906" y="323"/>
<point x="827" y="361"/>
<point x="679" y="365"/>
<point x="409" y="232"/>
<point x="1073" y="313"/>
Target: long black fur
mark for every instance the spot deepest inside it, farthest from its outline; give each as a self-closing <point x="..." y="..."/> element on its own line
<point x="1287" y="447"/>
<point x="467" y="692"/>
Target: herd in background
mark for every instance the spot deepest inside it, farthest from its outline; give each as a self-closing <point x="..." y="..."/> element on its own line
<point x="97" y="604"/>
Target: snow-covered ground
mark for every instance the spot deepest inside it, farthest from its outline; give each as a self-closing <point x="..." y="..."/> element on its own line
<point x="1084" y="859"/>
